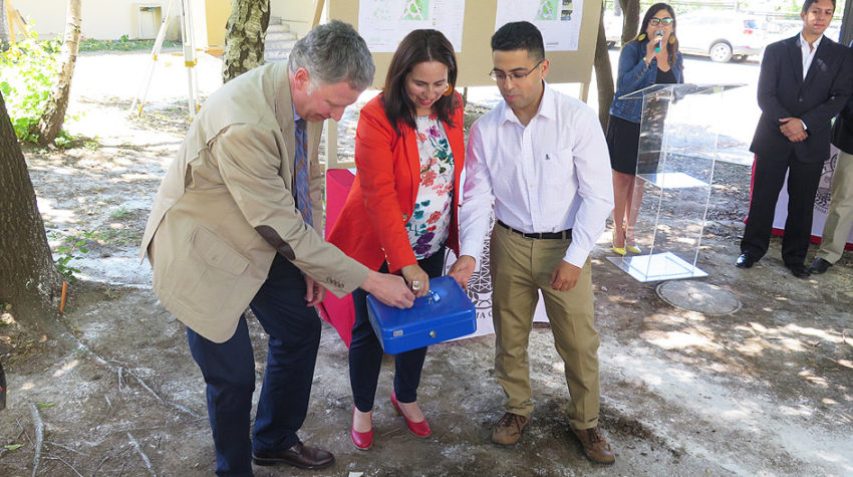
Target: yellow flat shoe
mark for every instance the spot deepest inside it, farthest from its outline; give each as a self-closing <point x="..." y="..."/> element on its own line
<point x="618" y="251"/>
<point x="633" y="249"/>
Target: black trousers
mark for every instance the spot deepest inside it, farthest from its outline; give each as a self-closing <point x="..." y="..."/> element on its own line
<point x="365" y="352"/>
<point x="803" y="181"/>
<point x="229" y="371"/>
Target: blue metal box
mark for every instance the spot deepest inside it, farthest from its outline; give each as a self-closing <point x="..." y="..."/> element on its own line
<point x="444" y="314"/>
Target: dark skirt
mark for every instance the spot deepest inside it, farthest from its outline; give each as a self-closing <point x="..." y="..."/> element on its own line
<point x="623" y="139"/>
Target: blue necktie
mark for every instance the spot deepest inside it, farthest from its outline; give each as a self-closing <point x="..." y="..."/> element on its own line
<point x="300" y="174"/>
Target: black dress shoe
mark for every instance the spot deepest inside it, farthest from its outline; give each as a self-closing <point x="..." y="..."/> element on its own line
<point x="299" y="455"/>
<point x="745" y="260"/>
<point x="819" y="266"/>
<point x="798" y="270"/>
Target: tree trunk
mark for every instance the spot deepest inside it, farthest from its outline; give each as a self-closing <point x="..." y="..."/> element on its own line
<point x="603" y="74"/>
<point x="630" y="19"/>
<point x="54" y="114"/>
<point x="4" y="27"/>
<point x="244" y="37"/>
<point x="28" y="279"/>
<point x="847" y="23"/>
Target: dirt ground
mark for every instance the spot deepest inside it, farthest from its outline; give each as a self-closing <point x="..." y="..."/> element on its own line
<point x="764" y="390"/>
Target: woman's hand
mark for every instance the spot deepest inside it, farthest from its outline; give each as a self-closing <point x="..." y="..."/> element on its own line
<point x="650" y="50"/>
<point x="417" y="279"/>
<point x="662" y="55"/>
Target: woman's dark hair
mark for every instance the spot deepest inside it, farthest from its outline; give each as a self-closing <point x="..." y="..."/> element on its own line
<point x="650" y="13"/>
<point x="419" y="46"/>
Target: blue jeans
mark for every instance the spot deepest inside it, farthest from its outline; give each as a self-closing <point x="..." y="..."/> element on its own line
<point x="229" y="371"/>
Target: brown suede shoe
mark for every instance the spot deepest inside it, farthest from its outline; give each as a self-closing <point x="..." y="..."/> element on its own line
<point x="509" y="428"/>
<point x="595" y="446"/>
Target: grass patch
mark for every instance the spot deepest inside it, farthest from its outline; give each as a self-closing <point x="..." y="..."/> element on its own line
<point x="123" y="44"/>
<point x="120" y="214"/>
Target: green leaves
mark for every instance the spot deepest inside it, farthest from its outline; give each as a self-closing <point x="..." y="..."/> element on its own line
<point x="28" y="70"/>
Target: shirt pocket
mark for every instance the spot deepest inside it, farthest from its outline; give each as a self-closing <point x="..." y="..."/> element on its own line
<point x="556" y="168"/>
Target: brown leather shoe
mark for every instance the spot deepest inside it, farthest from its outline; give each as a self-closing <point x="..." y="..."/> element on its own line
<point x="595" y="446"/>
<point x="509" y="428"/>
<point x="299" y="455"/>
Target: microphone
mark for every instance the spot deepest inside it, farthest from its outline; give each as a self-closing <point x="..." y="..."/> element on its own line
<point x="659" y="37"/>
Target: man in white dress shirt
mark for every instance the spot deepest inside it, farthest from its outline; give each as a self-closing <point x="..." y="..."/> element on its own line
<point x="539" y="161"/>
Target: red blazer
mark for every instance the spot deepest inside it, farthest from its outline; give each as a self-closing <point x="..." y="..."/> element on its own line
<point x="372" y="225"/>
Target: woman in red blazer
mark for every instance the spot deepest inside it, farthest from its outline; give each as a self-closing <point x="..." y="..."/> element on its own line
<point x="400" y="214"/>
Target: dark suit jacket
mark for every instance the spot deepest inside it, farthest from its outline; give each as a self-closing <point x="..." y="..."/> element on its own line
<point x="782" y="92"/>
<point x="842" y="131"/>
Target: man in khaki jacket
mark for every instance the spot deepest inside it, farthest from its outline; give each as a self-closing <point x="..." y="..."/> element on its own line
<point x="231" y="228"/>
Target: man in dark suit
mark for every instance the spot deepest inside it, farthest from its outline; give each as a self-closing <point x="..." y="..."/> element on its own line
<point x="839" y="220"/>
<point x="804" y="82"/>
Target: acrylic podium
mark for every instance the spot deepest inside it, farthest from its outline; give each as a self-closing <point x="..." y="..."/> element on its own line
<point x="675" y="171"/>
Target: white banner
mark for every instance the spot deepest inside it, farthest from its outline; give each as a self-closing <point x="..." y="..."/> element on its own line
<point x="383" y="23"/>
<point x="558" y="20"/>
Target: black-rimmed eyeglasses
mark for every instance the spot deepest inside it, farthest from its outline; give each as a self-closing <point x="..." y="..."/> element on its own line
<point x="516" y="75"/>
<point x="657" y="21"/>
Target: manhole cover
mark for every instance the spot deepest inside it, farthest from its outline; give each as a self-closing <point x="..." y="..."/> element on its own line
<point x="698" y="296"/>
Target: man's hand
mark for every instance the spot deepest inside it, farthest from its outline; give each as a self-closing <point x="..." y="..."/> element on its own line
<point x="462" y="270"/>
<point x="389" y="289"/>
<point x="314" y="292"/>
<point x="417" y="279"/>
<point x="565" y="276"/>
<point x="793" y="129"/>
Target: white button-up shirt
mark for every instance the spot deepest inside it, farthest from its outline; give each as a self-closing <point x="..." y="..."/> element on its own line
<point x="552" y="175"/>
<point x="808" y="52"/>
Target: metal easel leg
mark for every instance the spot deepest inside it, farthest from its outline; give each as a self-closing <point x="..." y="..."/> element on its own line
<point x="139" y="100"/>
<point x="190" y="61"/>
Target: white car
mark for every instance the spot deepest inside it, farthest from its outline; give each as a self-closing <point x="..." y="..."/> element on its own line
<point x="721" y="35"/>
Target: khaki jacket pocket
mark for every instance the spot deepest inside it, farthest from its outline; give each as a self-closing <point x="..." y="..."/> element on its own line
<point x="217" y="253"/>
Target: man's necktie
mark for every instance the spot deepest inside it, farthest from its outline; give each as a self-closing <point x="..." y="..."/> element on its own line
<point x="300" y="174"/>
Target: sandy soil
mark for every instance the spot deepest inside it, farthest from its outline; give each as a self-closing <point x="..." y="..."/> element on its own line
<point x="764" y="390"/>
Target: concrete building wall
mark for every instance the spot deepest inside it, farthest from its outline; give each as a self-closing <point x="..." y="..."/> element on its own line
<point x="111" y="19"/>
<point x="296" y="13"/>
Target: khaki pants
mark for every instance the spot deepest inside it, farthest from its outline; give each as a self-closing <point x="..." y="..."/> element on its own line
<point x="839" y="220"/>
<point x="520" y="267"/>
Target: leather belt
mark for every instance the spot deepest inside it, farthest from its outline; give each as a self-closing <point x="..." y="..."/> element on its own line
<point x="562" y="235"/>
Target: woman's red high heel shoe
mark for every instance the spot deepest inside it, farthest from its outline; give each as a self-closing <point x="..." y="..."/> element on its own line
<point x="361" y="440"/>
<point x="420" y="429"/>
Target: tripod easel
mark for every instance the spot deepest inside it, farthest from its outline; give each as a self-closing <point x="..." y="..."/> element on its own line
<point x="190" y="60"/>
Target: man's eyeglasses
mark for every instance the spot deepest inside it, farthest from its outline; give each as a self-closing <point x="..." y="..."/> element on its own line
<point x="516" y="75"/>
<point x="657" y="21"/>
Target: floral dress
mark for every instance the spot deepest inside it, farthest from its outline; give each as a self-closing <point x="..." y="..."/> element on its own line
<point x="429" y="225"/>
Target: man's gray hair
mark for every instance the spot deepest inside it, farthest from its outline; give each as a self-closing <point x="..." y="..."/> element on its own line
<point x="334" y="52"/>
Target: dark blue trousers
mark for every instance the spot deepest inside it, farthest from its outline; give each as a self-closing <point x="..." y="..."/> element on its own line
<point x="229" y="371"/>
<point x="365" y="352"/>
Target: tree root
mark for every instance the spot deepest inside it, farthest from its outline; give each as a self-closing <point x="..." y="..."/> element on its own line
<point x="142" y="455"/>
<point x="121" y="371"/>
<point x="38" y="424"/>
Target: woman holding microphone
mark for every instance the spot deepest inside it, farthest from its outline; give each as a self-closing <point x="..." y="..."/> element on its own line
<point x="651" y="58"/>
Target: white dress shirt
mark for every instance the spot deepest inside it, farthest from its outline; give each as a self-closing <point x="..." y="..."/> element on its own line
<point x="552" y="175"/>
<point x="808" y="52"/>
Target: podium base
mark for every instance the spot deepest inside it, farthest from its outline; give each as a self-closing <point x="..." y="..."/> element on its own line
<point x="672" y="180"/>
<point x="657" y="267"/>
